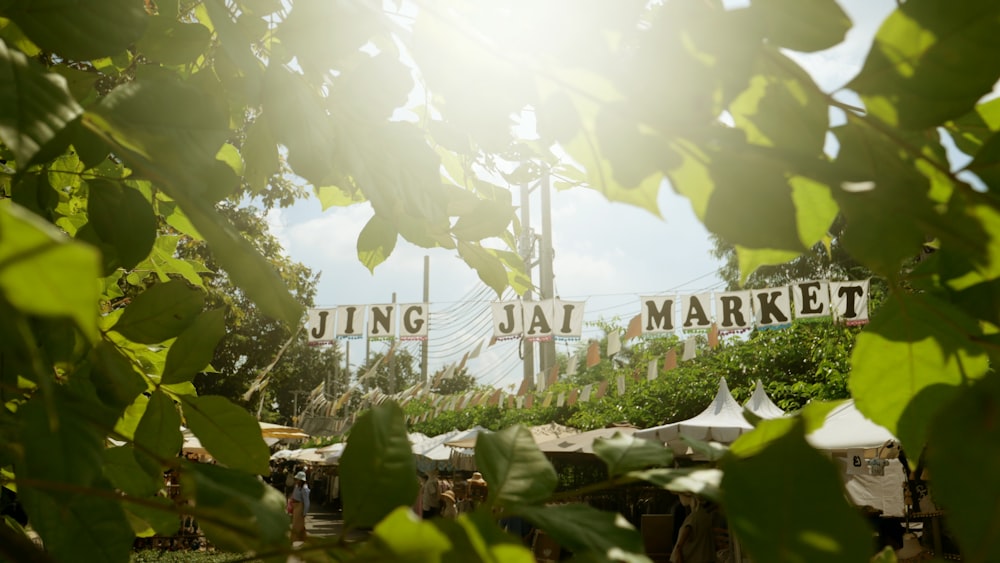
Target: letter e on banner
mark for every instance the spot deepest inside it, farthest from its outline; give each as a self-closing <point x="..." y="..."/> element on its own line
<point x="812" y="299"/>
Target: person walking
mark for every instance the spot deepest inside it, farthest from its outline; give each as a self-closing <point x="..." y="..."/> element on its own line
<point x="696" y="542"/>
<point x="300" y="506"/>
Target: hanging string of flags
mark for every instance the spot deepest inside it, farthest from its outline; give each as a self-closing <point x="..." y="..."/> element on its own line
<point x="729" y="311"/>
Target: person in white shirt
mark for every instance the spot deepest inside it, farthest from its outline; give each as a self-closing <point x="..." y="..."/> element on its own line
<point x="300" y="506"/>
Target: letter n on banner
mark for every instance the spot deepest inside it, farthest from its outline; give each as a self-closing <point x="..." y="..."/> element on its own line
<point x="849" y="301"/>
<point x="413" y="321"/>
<point x="508" y="322"/>
<point x="382" y="321"/>
<point x="321" y="327"/>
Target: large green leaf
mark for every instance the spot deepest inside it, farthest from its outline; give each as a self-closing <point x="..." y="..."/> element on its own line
<point x="41" y="269"/>
<point x="161" y="312"/>
<point x="964" y="435"/>
<point x="159" y="431"/>
<point x="926" y="64"/>
<point x="794" y="530"/>
<point x="85" y="528"/>
<point x="700" y="481"/>
<point x="376" y="242"/>
<point x="402" y="536"/>
<point x="517" y="472"/>
<point x="194" y="348"/>
<point x="581" y="528"/>
<point x="803" y="26"/>
<point x="126" y="475"/>
<point x="115" y="379"/>
<point x="123" y="218"/>
<point x="297" y="119"/>
<point x="490" y="269"/>
<point x="228" y="432"/>
<point x="238" y="511"/>
<point x="171" y="42"/>
<point x="261" y="155"/>
<point x="487" y="219"/>
<point x="79" y="31"/>
<point x="35" y="105"/>
<point x="59" y="443"/>
<point x="377" y="470"/>
<point x="908" y="362"/>
<point x="623" y="453"/>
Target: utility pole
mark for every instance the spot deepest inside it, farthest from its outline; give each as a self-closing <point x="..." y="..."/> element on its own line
<point x="295" y="408"/>
<point x="392" y="358"/>
<point x="527" y="242"/>
<point x="427" y="298"/>
<point x="547" y="349"/>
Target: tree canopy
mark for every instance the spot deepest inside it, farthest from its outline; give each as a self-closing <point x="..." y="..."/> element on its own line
<point x="126" y="124"/>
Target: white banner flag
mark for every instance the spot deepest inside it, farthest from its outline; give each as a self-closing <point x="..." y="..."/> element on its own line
<point x="568" y="319"/>
<point x="657" y="314"/>
<point x="350" y="321"/>
<point x="849" y="301"/>
<point x="812" y="299"/>
<point x="696" y="313"/>
<point x="508" y="322"/>
<point x="413" y="323"/>
<point x="733" y="311"/>
<point x="772" y="307"/>
<point x="320" y="326"/>
<point x="538" y="318"/>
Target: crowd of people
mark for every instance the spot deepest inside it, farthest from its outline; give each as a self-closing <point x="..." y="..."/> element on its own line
<point x="449" y="495"/>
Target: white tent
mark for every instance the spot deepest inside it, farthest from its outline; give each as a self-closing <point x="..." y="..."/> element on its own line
<point x="722" y="422"/>
<point x="762" y="405"/>
<point x="582" y="443"/>
<point x="847" y="433"/>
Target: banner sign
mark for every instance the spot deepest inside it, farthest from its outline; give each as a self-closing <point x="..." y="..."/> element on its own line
<point x="548" y="319"/>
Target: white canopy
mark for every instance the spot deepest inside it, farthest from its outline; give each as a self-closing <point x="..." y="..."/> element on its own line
<point x="846" y="428"/>
<point x="582" y="443"/>
<point x="762" y="405"/>
<point x="722" y="422"/>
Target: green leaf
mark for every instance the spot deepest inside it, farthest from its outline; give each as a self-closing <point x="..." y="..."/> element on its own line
<point x="623" y="453"/>
<point x="803" y="26"/>
<point x="376" y="242"/>
<point x="161" y="312"/>
<point x="175" y="128"/>
<point x="261" y="155"/>
<point x="925" y="66"/>
<point x="41" y="269"/>
<point x="115" y="379"/>
<point x="297" y="119"/>
<point x="159" y="431"/>
<point x="238" y="512"/>
<point x="517" y="472"/>
<point x="60" y="443"/>
<point x="704" y="482"/>
<point x="794" y="529"/>
<point x="401" y="536"/>
<point x="332" y="196"/>
<point x="35" y="105"/>
<point x="476" y="536"/>
<point x="581" y="528"/>
<point x="84" y="528"/>
<point x="123" y="218"/>
<point x="228" y="432"/>
<point x="964" y="434"/>
<point x="170" y="42"/>
<point x="915" y="342"/>
<point x="194" y="348"/>
<point x="490" y="269"/>
<point x="79" y="31"/>
<point x="149" y="521"/>
<point x="971" y="130"/>
<point x="487" y="219"/>
<point x="126" y="475"/>
<point x="378" y="473"/>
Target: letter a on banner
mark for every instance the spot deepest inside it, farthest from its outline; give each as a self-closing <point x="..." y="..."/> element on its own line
<point x="321" y="326"/>
<point x="413" y="321"/>
<point x="507" y="320"/>
<point x="849" y="301"/>
<point x="695" y="312"/>
<point x="538" y="317"/>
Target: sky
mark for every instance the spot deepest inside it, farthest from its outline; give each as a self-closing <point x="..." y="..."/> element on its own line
<point x="606" y="254"/>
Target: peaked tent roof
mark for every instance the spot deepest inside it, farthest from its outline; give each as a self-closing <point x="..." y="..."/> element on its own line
<point x="762" y="405"/>
<point x="846" y="428"/>
<point x="722" y="421"/>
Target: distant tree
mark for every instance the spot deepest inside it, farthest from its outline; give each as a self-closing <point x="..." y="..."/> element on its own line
<point x="392" y="375"/>
<point x="459" y="382"/>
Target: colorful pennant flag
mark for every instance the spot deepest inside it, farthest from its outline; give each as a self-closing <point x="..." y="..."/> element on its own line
<point x="670" y="360"/>
<point x="651" y="370"/>
<point x="571" y="399"/>
<point x="614" y="343"/>
<point x="634" y="328"/>
<point x="593" y="354"/>
<point x="553" y="376"/>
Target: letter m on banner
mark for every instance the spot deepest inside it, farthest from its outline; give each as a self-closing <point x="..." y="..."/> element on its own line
<point x="657" y="316"/>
